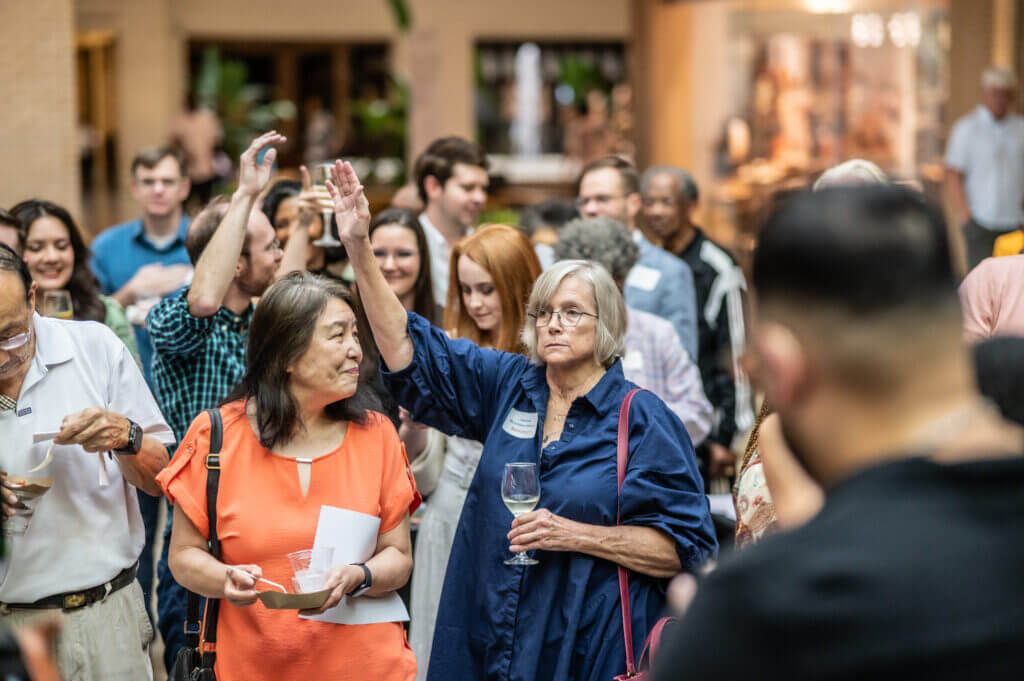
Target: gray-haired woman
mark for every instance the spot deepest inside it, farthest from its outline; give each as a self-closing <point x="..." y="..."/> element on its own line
<point x="558" y="409"/>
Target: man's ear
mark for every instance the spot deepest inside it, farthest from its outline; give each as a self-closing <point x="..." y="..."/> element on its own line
<point x="782" y="364"/>
<point x="433" y="186"/>
<point x="184" y="188"/>
<point x="634" y="202"/>
<point x="32" y="297"/>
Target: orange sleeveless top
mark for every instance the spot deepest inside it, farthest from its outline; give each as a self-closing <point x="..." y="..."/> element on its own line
<point x="262" y="516"/>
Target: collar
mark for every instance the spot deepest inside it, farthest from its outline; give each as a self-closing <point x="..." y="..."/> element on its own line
<point x="238" y="322"/>
<point x="53" y="346"/>
<point x="604" y="396"/>
<point x="139" y="234"/>
<point x="431" y="232"/>
<point x="695" y="242"/>
<point x="53" y="342"/>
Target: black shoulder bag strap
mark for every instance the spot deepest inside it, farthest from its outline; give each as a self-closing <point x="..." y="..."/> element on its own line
<point x="192" y="623"/>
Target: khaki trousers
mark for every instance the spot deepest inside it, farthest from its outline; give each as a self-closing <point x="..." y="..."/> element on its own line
<point x="107" y="641"/>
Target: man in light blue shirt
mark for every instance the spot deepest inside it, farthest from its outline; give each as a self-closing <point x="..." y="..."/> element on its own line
<point x="140" y="262"/>
<point x="660" y="283"/>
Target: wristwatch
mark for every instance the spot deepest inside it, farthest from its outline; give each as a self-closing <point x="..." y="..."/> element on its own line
<point x="367" y="581"/>
<point x="134" y="440"/>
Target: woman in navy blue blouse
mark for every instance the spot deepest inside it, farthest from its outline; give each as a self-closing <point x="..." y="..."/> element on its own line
<point x="560" y="619"/>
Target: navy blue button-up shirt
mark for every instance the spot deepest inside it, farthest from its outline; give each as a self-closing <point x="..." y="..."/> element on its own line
<point x="559" y="620"/>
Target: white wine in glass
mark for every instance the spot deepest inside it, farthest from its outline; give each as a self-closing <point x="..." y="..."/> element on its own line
<point x="329" y="239"/>
<point x="520" y="490"/>
<point x="58" y="304"/>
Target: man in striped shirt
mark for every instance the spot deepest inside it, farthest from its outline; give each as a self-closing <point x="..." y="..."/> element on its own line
<point x="669" y="196"/>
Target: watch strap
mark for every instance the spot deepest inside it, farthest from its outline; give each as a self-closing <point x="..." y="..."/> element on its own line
<point x="367" y="581"/>
<point x="134" y="440"/>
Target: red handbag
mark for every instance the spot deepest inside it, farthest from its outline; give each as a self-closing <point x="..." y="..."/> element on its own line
<point x="654" y="638"/>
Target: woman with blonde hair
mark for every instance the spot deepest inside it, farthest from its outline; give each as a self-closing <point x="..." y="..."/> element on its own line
<point x="492" y="273"/>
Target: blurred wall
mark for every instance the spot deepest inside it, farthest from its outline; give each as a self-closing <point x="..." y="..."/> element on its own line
<point x="435" y="56"/>
<point x="38" y="136"/>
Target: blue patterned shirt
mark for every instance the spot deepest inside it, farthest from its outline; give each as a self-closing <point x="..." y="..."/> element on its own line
<point x="197" y="361"/>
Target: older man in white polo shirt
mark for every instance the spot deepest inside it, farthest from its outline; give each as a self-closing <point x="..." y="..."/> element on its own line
<point x="985" y="167"/>
<point x="78" y="555"/>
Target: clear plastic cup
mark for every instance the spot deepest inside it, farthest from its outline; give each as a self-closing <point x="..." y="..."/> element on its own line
<point x="310" y="568"/>
<point x="29" y="491"/>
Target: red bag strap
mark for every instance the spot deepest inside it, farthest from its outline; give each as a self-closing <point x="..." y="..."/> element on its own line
<point x="622" y="454"/>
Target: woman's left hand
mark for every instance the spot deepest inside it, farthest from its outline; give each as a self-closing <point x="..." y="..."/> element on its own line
<point x="543" y="530"/>
<point x="341" y="581"/>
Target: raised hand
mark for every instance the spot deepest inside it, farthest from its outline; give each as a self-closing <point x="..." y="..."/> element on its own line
<point x="351" y="209"/>
<point x="253" y="176"/>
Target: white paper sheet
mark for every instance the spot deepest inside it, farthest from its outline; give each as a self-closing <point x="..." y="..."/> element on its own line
<point x="354" y="538"/>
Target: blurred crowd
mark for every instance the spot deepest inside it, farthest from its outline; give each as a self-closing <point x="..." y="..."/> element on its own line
<point x="587" y="446"/>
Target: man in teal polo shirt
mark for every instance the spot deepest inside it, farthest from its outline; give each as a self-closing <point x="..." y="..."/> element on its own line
<point x="140" y="262"/>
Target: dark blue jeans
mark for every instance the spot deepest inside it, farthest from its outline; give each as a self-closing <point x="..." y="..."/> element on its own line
<point x="150" y="509"/>
<point x="171" y="603"/>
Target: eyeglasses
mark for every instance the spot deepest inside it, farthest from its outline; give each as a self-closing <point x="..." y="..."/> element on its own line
<point x="275" y="245"/>
<point x="568" y="318"/>
<point x="15" y="342"/>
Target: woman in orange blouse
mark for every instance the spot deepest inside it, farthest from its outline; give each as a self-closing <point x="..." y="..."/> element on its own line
<point x="296" y="438"/>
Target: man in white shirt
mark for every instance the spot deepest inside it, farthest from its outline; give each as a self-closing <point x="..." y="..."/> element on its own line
<point x="451" y="177"/>
<point x="74" y="386"/>
<point x="985" y="167"/>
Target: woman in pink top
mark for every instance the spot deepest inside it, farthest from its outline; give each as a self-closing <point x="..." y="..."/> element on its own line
<point x="992" y="297"/>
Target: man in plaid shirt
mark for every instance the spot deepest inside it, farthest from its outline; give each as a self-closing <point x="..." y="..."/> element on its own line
<point x="199" y="335"/>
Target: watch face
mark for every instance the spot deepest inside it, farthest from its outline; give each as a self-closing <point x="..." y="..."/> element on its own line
<point x="136" y="437"/>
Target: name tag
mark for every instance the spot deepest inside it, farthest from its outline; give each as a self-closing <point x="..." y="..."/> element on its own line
<point x="643" y="278"/>
<point x="633" y="361"/>
<point x="521" y="424"/>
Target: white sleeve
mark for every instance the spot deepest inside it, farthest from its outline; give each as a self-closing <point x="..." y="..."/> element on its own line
<point x="958" y="150"/>
<point x="129" y="396"/>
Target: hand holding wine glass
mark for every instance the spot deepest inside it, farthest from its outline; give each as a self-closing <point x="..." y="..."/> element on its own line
<point x="520" y="490"/>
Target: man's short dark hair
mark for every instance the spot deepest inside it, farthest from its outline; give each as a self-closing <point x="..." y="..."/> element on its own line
<point x="626" y="169"/>
<point x="149" y="158"/>
<point x="204" y="226"/>
<point x="9" y="220"/>
<point x="864" y="250"/>
<point x="12" y="262"/>
<point x="552" y="213"/>
<point x="440" y="158"/>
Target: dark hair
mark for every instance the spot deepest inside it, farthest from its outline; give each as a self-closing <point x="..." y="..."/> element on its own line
<point x="204" y="226"/>
<point x="999" y="363"/>
<point x="12" y="262"/>
<point x="864" y="250"/>
<point x="149" y="158"/>
<point x="552" y="213"/>
<point x="83" y="285"/>
<point x="280" y="333"/>
<point x="279" y="191"/>
<point x="440" y="158"/>
<point x="423" y="302"/>
<point x="627" y="172"/>
<point x="9" y="220"/>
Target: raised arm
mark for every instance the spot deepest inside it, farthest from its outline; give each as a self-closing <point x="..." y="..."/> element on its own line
<point x="384" y="311"/>
<point x="216" y="267"/>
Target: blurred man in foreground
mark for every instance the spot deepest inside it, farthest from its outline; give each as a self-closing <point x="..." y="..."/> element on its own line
<point x="911" y="570"/>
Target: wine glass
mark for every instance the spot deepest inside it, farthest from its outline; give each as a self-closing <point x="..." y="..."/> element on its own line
<point x="322" y="173"/>
<point x="58" y="304"/>
<point x="520" y="490"/>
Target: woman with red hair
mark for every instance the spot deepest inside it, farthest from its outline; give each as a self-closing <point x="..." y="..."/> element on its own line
<point x="492" y="273"/>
